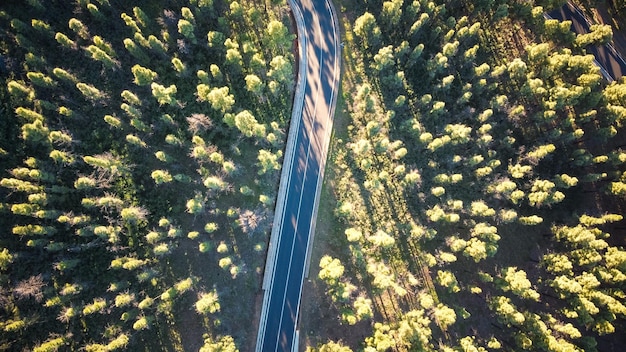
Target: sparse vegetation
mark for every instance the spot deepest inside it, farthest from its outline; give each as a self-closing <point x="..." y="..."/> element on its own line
<point x="475" y="185"/>
<point x="472" y="182"/>
<point x="126" y="129"/>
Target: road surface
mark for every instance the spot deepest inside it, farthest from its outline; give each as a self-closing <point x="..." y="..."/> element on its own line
<point x="303" y="171"/>
<point x="609" y="60"/>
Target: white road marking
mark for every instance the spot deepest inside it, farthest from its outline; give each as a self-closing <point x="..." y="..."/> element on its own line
<point x="324" y="152"/>
<point x="321" y="55"/>
<point x="287" y="162"/>
<point x="319" y="176"/>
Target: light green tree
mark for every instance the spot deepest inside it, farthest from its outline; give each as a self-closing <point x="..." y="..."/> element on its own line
<point x="195" y="205"/>
<point x="516" y="281"/>
<point x="164" y="95"/>
<point x="90" y="92"/>
<point x="220" y="98"/>
<point x="366" y="28"/>
<point x="133" y="215"/>
<point x="208" y="303"/>
<point x="444" y="315"/>
<point x="331" y="270"/>
<point x="254" y="84"/>
<point x="40" y="79"/>
<point x="278" y="38"/>
<point x="187" y="29"/>
<point x="246" y="123"/>
<point x="223" y="344"/>
<point x="281" y="70"/>
<point x="6" y="259"/>
<point x="143" y="76"/>
<point x="161" y="176"/>
<point x="391" y="12"/>
<point x="600" y="34"/>
<point x="331" y="346"/>
<point x="268" y="161"/>
<point x="384" y="58"/>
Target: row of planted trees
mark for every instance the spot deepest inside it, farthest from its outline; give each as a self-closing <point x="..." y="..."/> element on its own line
<point x="464" y="167"/>
<point x="139" y="172"/>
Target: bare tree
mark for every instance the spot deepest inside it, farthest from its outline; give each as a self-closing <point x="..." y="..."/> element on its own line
<point x="250" y="221"/>
<point x="31" y="287"/>
<point x="199" y="123"/>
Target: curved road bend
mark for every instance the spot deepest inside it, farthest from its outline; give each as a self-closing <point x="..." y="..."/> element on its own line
<point x="606" y="56"/>
<point x="309" y="138"/>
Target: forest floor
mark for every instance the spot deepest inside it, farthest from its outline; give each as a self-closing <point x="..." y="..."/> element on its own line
<point x="319" y="318"/>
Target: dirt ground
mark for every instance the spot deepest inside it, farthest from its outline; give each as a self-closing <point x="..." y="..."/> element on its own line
<point x="318" y="316"/>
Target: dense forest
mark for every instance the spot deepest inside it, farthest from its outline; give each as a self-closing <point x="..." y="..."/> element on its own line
<point x="479" y="177"/>
<point x="473" y="200"/>
<point x="141" y="145"/>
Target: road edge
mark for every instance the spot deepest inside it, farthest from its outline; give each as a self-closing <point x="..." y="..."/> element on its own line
<point x="296" y="117"/>
<point x="318" y="190"/>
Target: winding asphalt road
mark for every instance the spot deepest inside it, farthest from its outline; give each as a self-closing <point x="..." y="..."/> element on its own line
<point x="303" y="171"/>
